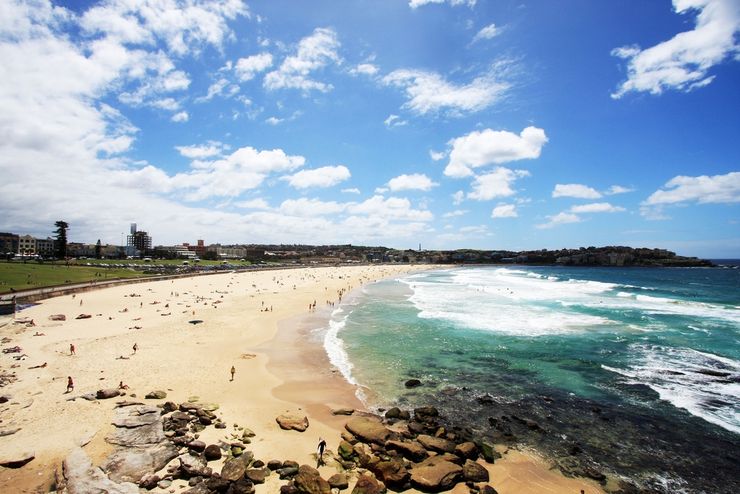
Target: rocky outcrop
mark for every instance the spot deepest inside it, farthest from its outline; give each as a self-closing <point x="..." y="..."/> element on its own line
<point x="18" y="460"/>
<point x="435" y="474"/>
<point x="367" y="484"/>
<point x="80" y="477"/>
<point x="292" y="422"/>
<point x="309" y="481"/>
<point x="368" y="429"/>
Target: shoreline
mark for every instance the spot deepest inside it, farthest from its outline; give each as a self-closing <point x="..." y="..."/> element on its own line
<point x="185" y="359"/>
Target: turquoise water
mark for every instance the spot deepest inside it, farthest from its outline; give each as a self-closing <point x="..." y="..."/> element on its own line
<point x="658" y="346"/>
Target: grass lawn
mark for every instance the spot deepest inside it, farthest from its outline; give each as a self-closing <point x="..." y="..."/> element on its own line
<point x="22" y="276"/>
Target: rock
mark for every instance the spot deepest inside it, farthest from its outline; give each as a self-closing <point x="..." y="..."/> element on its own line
<point x="474" y="472"/>
<point x="425" y="412"/>
<point x="393" y="473"/>
<point x="393" y="413"/>
<point x="233" y="469"/>
<point x="135" y="427"/>
<point x="131" y="464"/>
<point x="436" y="443"/>
<point x="236" y="451"/>
<point x="217" y="484"/>
<point x="81" y="477"/>
<point x="309" y="481"/>
<point x="338" y="481"/>
<point x="410" y="449"/>
<point x="83" y="316"/>
<point x="136" y="417"/>
<point x="274" y="465"/>
<point x="287" y="472"/>
<point x="197" y="446"/>
<point x="367" y="484"/>
<point x="149" y="481"/>
<point x="343" y="411"/>
<point x="212" y="452"/>
<point x="467" y="450"/>
<point x="257" y="475"/>
<point x="164" y="484"/>
<point x="193" y="466"/>
<point x="126" y="403"/>
<point x="16" y="461"/>
<point x="368" y="430"/>
<point x="9" y="432"/>
<point x="169" y="406"/>
<point x="156" y="395"/>
<point x="200" y="488"/>
<point x="292" y="422"/>
<point x="258" y="464"/>
<point x="57" y="317"/>
<point x="412" y="383"/>
<point x="345" y="450"/>
<point x="290" y="464"/>
<point x="288" y="489"/>
<point x="104" y="394"/>
<point x="489" y="454"/>
<point x="435" y="474"/>
<point x="241" y="487"/>
<point x="487" y="489"/>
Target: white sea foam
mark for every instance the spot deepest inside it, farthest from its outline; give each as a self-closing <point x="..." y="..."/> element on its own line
<point x="334" y="345"/>
<point x="704" y="384"/>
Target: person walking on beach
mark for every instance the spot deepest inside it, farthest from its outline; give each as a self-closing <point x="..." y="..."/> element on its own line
<point x="72" y="349"/>
<point x="135" y="347"/>
<point x="321" y="448"/>
<point x="70" y="384"/>
<point x="233" y="371"/>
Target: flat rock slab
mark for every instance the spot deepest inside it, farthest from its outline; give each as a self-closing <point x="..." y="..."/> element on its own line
<point x="137" y="426"/>
<point x="82" y="478"/>
<point x="368" y="429"/>
<point x="131" y="464"/>
<point x="17" y="461"/>
<point x="435" y="474"/>
<point x="292" y="422"/>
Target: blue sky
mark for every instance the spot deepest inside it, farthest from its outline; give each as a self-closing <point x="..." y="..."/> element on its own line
<point x="450" y="123"/>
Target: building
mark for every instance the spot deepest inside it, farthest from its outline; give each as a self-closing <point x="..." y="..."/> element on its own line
<point x="27" y="245"/>
<point x="199" y="249"/>
<point x="229" y="251"/>
<point x="8" y="243"/>
<point x="138" y="241"/>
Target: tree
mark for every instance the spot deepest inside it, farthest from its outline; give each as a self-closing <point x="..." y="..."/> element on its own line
<point x="98" y="250"/>
<point x="61" y="244"/>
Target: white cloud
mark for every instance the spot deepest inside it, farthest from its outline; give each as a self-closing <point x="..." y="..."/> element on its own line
<point x="458" y="197"/>
<point x="504" y="211"/>
<point x="414" y="4"/>
<point x="257" y="203"/>
<point x="578" y="191"/>
<point x="437" y="156"/>
<point x="391" y="207"/>
<point x="488" y="32"/>
<point x="560" y="219"/>
<point x="180" y="117"/>
<point x="618" y="189"/>
<point x="717" y="189"/>
<point x="364" y="69"/>
<point x="394" y="121"/>
<point x="481" y="148"/>
<point x="211" y="148"/>
<point x="314" y="52"/>
<point x="247" y="68"/>
<point x="497" y="183"/>
<point x="429" y="92"/>
<point x="416" y="181"/>
<point x="273" y="120"/>
<point x="310" y="207"/>
<point x="455" y="213"/>
<point x="683" y="62"/>
<point x="326" y="176"/>
<point x="353" y="190"/>
<point x="596" y="207"/>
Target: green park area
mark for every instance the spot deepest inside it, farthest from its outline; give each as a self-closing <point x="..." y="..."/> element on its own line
<point x="25" y="276"/>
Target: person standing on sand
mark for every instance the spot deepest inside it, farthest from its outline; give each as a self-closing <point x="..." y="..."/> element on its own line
<point x="233" y="371"/>
<point x="70" y="384"/>
<point x="72" y="349"/>
<point x="320" y="449"/>
<point x="135" y="347"/>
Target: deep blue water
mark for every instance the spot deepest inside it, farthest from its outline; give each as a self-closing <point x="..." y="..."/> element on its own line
<point x="650" y="346"/>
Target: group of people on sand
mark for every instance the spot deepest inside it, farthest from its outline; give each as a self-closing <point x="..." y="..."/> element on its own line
<point x="121" y="385"/>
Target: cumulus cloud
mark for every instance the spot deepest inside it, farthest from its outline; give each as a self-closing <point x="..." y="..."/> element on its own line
<point x="414" y="4"/>
<point x="247" y="68"/>
<point x="455" y="213"/>
<point x="504" y="211"/>
<point x="364" y="69"/>
<point x="391" y="207"/>
<point x="326" y="176"/>
<point x="578" y="191"/>
<point x="488" y="32"/>
<point x="394" y="121"/>
<point x="437" y="155"/>
<point x="211" y="148"/>
<point x="257" y="203"/>
<point x="481" y="148"/>
<point x="311" y="207"/>
<point x="180" y="117"/>
<point x="596" y="207"/>
<point x="684" y="61"/>
<point x="717" y="189"/>
<point x="458" y="197"/>
<point x="416" y="181"/>
<point x="498" y="183"/>
<point x="353" y="190"/>
<point x="430" y="93"/>
<point x="314" y="53"/>
<point x="618" y="189"/>
<point x="560" y="219"/>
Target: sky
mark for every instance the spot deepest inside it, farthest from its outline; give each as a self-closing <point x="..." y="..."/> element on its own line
<point x="447" y="123"/>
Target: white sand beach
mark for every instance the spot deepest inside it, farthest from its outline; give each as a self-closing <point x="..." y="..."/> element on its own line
<point x="254" y="321"/>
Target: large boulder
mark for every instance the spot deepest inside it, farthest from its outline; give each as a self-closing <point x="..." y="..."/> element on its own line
<point x="292" y="422"/>
<point x="309" y="481"/>
<point x="368" y="429"/>
<point x="257" y="475"/>
<point x="194" y="466"/>
<point x="435" y="474"/>
<point x="367" y="484"/>
<point x="409" y="449"/>
<point x="346" y="450"/>
<point x="233" y="469"/>
<point x="338" y="481"/>
<point x="104" y="394"/>
<point x="436" y="443"/>
<point x="393" y="473"/>
<point x="467" y="450"/>
<point x="156" y="395"/>
<point x="212" y="452"/>
<point x="474" y="472"/>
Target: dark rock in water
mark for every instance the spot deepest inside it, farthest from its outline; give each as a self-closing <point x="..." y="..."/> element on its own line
<point x="212" y="452"/>
<point x="412" y="383"/>
<point x="367" y="484"/>
<point x="485" y="399"/>
<point x="393" y="413"/>
<point x="104" y="394"/>
<point x="489" y="454"/>
<point x="338" y="481"/>
<point x="368" y="430"/>
<point x="435" y="474"/>
<point x="309" y="481"/>
<point x="156" y="395"/>
<point x="474" y="472"/>
<point x="17" y="461"/>
<point x="425" y="412"/>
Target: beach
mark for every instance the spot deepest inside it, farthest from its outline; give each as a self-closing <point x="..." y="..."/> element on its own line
<point x="188" y="334"/>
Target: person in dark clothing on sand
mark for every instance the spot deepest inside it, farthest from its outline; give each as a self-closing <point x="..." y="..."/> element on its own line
<point x="320" y="451"/>
<point x="70" y="384"/>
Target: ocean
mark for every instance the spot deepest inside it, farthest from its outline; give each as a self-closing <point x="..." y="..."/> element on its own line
<point x="634" y="371"/>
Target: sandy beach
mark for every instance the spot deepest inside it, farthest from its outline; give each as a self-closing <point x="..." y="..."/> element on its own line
<point x="258" y="322"/>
